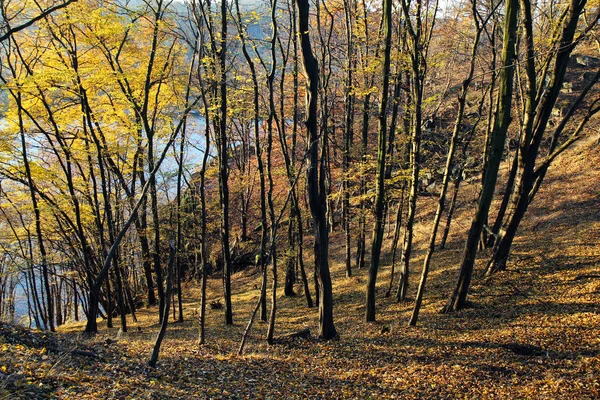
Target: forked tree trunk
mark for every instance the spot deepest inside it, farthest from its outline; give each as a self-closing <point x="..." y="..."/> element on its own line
<point x="165" y="313"/>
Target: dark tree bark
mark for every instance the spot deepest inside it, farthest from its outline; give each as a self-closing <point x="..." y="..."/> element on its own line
<point x="222" y="149"/>
<point x="203" y="221"/>
<point x="270" y="122"/>
<point x="381" y="156"/>
<point x="296" y="200"/>
<point x="348" y="131"/>
<point x="316" y="179"/>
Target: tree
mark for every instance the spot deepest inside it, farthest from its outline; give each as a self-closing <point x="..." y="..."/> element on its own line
<point x="420" y="30"/>
<point x="349" y="100"/>
<point x="11" y="30"/>
<point x="223" y="153"/>
<point x="462" y="99"/>
<point x="457" y="300"/>
<point x="316" y="177"/>
<point x="381" y="165"/>
<point x="539" y="103"/>
<point x="163" y="323"/>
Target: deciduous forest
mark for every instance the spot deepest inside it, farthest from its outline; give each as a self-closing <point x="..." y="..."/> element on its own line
<point x="299" y="199"/>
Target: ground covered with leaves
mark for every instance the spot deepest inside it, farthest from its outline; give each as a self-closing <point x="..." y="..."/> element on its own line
<point x="530" y="332"/>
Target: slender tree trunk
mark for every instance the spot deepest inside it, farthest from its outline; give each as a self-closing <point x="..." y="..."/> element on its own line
<point x="260" y="166"/>
<point x="165" y="313"/>
<point x="250" y="323"/>
<point x="396" y="239"/>
<point x="109" y="301"/>
<point x="362" y="223"/>
<point x="120" y="298"/>
<point x="270" y="120"/>
<point x="223" y="166"/>
<point x="296" y="200"/>
<point x="418" y="51"/>
<point x="156" y="230"/>
<point x="381" y="155"/>
<point x="203" y="251"/>
<point x="348" y="132"/>
<point x="410" y="217"/>
<point x="505" y="201"/>
<point x="179" y="266"/>
<point x="450" y="213"/>
<point x="141" y="225"/>
<point x="309" y="301"/>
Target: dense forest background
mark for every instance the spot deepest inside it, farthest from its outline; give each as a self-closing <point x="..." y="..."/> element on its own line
<point x="151" y="147"/>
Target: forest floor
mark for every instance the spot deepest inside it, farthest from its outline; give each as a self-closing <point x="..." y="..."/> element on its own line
<point x="530" y="332"/>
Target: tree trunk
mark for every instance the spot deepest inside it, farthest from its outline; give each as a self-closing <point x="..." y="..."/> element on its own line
<point x="165" y="313"/>
<point x="505" y="201"/>
<point x="381" y="155"/>
<point x="203" y="250"/>
<point x="224" y="167"/>
<point x="419" y="44"/>
<point x="261" y="169"/>
<point x="450" y="213"/>
<point x="348" y="133"/>
<point x="316" y="181"/>
<point x="270" y="120"/>
<point x="295" y="199"/>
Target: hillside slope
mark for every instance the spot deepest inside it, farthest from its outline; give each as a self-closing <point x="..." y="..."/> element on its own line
<point x="532" y="331"/>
